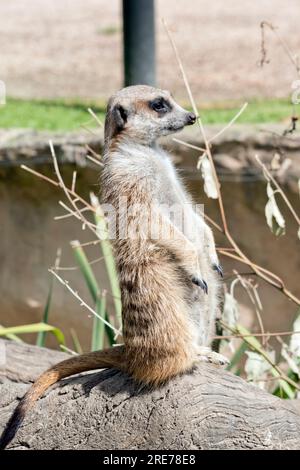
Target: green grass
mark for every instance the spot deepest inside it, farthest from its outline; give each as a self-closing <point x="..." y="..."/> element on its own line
<point x="54" y="115"/>
<point x="257" y="112"/>
<point x="64" y="115"/>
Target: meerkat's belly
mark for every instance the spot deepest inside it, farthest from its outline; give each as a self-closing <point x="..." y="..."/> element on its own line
<point x="202" y="307"/>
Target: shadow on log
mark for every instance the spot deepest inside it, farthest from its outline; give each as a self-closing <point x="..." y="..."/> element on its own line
<point x="207" y="409"/>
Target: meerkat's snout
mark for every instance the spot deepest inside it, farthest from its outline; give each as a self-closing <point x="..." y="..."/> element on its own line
<point x="191" y="119"/>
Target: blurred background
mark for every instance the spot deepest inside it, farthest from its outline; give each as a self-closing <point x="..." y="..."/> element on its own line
<point x="59" y="57"/>
<point x="73" y="48"/>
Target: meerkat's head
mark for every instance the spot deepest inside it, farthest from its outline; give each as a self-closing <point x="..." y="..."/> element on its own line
<point x="143" y="114"/>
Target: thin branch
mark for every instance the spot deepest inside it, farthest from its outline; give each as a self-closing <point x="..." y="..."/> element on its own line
<point x="230" y="122"/>
<point x="82" y="302"/>
<point x="269" y="379"/>
<point x="65" y="268"/>
<point x="256" y="269"/>
<point x="186" y="144"/>
<point x="258" y="335"/>
<point x="94" y="261"/>
<point x="70" y="193"/>
<point x="180" y="67"/>
<point x="77" y="214"/>
<point x="87" y="129"/>
<point x="95" y="154"/>
<point x="213" y="223"/>
<point x="224" y="129"/>
<point x="68" y="350"/>
<point x="75" y="268"/>
<point x="263" y="353"/>
<point x="283" y="44"/>
<point x="257" y="305"/>
<point x="39" y="175"/>
<point x="241" y="260"/>
<point x="220" y="248"/>
<point x="199" y="122"/>
<point x="66" y="190"/>
<point x="65" y="216"/>
<point x="93" y="242"/>
<point x="57" y="184"/>
<point x="74" y="181"/>
<point x="94" y="160"/>
<point x="94" y="115"/>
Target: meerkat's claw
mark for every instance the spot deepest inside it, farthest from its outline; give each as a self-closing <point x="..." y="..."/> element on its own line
<point x="219" y="269"/>
<point x="207" y="355"/>
<point x="205" y="287"/>
<point x="200" y="283"/>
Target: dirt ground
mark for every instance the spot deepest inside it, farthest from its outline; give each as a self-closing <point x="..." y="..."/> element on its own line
<point x="73" y="48"/>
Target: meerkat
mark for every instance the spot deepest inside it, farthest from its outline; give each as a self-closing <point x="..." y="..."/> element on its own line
<point x="169" y="284"/>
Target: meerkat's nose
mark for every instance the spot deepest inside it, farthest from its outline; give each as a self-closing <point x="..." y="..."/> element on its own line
<point x="191" y="119"/>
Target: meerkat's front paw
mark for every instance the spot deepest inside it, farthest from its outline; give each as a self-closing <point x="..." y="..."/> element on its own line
<point x="205" y="354"/>
<point x="217" y="267"/>
<point x="201" y="283"/>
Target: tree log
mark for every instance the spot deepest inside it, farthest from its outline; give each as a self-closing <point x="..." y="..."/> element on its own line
<point x="208" y="408"/>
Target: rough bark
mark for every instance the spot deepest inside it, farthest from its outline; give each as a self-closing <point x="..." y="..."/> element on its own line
<point x="207" y="409"/>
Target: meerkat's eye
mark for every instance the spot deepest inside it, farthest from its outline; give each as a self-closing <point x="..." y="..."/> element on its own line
<point x="160" y="105"/>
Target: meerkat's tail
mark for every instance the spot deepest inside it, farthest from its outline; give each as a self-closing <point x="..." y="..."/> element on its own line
<point x="107" y="358"/>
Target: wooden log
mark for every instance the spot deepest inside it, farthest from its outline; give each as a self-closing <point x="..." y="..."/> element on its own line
<point x="206" y="409"/>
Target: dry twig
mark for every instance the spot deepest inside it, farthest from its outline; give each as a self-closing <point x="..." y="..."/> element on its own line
<point x="261" y="272"/>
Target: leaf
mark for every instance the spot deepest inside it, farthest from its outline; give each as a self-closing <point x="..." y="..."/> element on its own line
<point x="98" y="325"/>
<point x="42" y="334"/>
<point x="76" y="342"/>
<point x="275" y="162"/>
<point x="33" y="328"/>
<point x="256" y="365"/>
<point x="41" y="337"/>
<point x="251" y="340"/>
<point x="273" y="215"/>
<point x="92" y="284"/>
<point x="109" y="260"/>
<point x="230" y="312"/>
<point x="237" y="356"/>
<point x="210" y="187"/>
<point x="12" y="336"/>
<point x="294" y="346"/>
<point x="284" y="386"/>
<point x="290" y="360"/>
<point x="255" y="344"/>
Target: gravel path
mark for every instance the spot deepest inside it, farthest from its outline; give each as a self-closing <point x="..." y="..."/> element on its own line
<point x="72" y="48"/>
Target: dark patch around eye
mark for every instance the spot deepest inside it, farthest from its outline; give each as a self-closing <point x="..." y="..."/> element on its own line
<point x="160" y="105"/>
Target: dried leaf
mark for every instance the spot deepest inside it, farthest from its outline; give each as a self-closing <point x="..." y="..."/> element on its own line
<point x="275" y="163"/>
<point x="291" y="361"/>
<point x="274" y="217"/>
<point x="230" y="312"/>
<point x="284" y="167"/>
<point x="294" y="346"/>
<point x="210" y="187"/>
<point x="256" y="367"/>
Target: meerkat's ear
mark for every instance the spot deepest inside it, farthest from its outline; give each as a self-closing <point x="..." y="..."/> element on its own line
<point x="119" y="118"/>
<point x="116" y="118"/>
